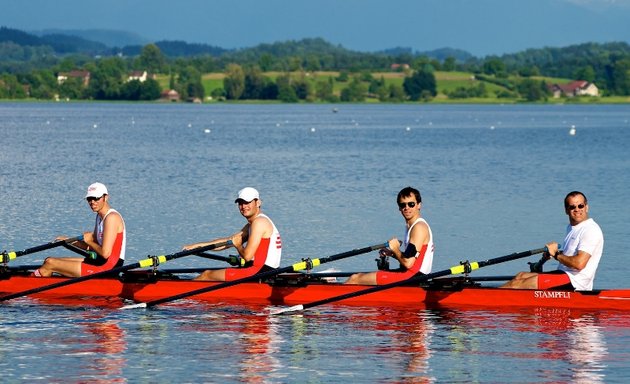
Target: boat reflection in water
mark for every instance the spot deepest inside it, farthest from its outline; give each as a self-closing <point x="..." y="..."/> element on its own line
<point x="565" y="344"/>
<point x="228" y="341"/>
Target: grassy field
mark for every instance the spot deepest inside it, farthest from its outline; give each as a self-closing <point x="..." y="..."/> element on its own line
<point x="446" y="82"/>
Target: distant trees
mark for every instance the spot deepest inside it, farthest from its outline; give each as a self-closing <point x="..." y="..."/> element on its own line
<point x="152" y="60"/>
<point x="421" y="84"/>
<point x="291" y="71"/>
<point x="234" y="82"/>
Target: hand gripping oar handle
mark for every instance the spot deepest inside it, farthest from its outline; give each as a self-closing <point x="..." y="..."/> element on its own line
<point x="231" y="259"/>
<point x="5" y="256"/>
<point x="537" y="267"/>
<point x="148" y="262"/>
<point x="75" y="249"/>
<point x="305" y="264"/>
<point x="463" y="267"/>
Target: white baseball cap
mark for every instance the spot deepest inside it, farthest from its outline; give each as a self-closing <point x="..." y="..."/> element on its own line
<point x="96" y="190"/>
<point x="247" y="194"/>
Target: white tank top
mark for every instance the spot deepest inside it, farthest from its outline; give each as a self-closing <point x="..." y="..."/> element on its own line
<point x="274" y="246"/>
<point x="98" y="227"/>
<point x="427" y="257"/>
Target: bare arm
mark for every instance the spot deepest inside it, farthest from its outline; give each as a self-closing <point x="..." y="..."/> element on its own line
<point x="419" y="236"/>
<point x="237" y="241"/>
<point x="578" y="261"/>
<point x="260" y="227"/>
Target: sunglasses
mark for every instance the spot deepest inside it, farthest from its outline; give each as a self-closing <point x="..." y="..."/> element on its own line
<point x="572" y="207"/>
<point x="91" y="199"/>
<point x="409" y="204"/>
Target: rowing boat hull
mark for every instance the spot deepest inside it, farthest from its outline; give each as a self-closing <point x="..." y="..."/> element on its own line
<point x="291" y="294"/>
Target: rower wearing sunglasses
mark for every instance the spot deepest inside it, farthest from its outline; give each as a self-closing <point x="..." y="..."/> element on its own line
<point x="104" y="247"/>
<point x="579" y="257"/>
<point x="414" y="253"/>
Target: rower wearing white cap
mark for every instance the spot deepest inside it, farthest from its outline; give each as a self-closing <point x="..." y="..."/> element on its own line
<point x="258" y="242"/>
<point x="105" y="245"/>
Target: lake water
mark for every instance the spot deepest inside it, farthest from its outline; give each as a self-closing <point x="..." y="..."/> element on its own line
<point x="492" y="180"/>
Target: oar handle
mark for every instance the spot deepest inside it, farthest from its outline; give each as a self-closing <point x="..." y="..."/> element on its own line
<point x="8" y="256"/>
<point x="305" y="264"/>
<point x="537" y="267"/>
<point x="231" y="259"/>
<point x="75" y="249"/>
<point x="149" y="262"/>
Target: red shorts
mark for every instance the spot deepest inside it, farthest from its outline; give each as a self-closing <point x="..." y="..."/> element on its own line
<point x="386" y="277"/>
<point x="239" y="273"/>
<point x="553" y="280"/>
<point x="89" y="269"/>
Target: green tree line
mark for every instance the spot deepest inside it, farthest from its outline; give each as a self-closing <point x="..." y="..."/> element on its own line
<point x="31" y="71"/>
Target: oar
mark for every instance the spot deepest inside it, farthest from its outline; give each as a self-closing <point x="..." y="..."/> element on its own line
<point x="305" y="264"/>
<point x="148" y="262"/>
<point x="464" y="267"/>
<point x="231" y="259"/>
<point x="8" y="256"/>
<point x="76" y="249"/>
<point x="537" y="267"/>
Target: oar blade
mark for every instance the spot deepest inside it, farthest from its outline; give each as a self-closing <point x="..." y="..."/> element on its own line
<point x="133" y="306"/>
<point x="287" y="311"/>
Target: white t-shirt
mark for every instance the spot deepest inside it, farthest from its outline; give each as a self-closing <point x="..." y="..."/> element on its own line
<point x="588" y="237"/>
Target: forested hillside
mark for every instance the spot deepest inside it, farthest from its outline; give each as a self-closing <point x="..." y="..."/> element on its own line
<point x="292" y="70"/>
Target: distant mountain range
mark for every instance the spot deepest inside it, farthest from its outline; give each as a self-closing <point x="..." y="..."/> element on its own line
<point x="107" y="37"/>
<point x="108" y="42"/>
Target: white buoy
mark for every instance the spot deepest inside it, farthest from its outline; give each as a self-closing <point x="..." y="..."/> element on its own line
<point x="189" y="125"/>
<point x="572" y="130"/>
<point x="312" y="129"/>
<point x="408" y="129"/>
<point x="492" y="127"/>
<point x="206" y="130"/>
<point x="95" y="125"/>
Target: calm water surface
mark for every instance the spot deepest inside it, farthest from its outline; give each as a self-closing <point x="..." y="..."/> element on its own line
<point x="492" y="180"/>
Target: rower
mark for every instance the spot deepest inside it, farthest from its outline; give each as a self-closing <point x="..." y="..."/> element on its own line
<point x="258" y="243"/>
<point x="577" y="261"/>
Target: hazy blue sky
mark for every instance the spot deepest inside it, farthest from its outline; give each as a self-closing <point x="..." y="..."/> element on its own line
<point x="481" y="27"/>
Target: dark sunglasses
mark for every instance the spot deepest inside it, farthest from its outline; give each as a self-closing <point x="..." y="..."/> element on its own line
<point x="572" y="207"/>
<point x="91" y="199"/>
<point x="409" y="204"/>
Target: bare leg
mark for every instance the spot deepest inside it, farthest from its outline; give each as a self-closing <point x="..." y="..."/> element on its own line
<point x="65" y="266"/>
<point x="211" y="275"/>
<point x="523" y="280"/>
<point x="364" y="278"/>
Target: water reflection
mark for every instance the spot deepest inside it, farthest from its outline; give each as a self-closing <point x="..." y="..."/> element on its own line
<point x="261" y="340"/>
<point x="389" y="344"/>
<point x="564" y="344"/>
<point x="106" y="341"/>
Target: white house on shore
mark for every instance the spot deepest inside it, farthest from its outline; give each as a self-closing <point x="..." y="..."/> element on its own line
<point x="574" y="88"/>
<point x="141" y="76"/>
<point x="84" y="76"/>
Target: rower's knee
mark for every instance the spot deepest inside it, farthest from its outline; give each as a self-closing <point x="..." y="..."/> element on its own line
<point x="353" y="279"/>
<point x="203" y="276"/>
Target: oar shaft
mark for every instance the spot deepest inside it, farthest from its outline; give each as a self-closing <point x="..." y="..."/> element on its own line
<point x="13" y="254"/>
<point x="141" y="264"/>
<point x="263" y="275"/>
<point x="462" y="268"/>
<point x="74" y="249"/>
<point x="213" y="256"/>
